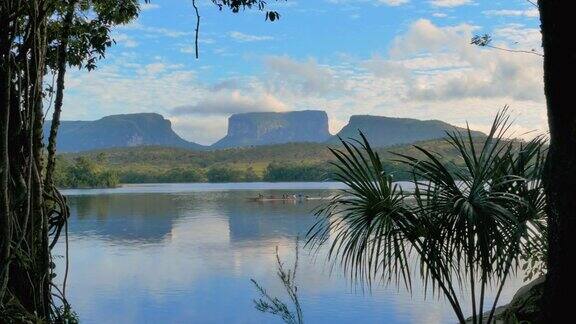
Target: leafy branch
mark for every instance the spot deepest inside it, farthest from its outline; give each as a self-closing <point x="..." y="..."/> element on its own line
<point x="485" y="40"/>
<point x="274" y="305"/>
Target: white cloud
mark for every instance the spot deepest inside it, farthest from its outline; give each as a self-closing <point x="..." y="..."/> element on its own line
<point x="454" y="69"/>
<point x="391" y="3"/>
<point x="439" y="15"/>
<point x="424" y="36"/>
<point x="226" y="102"/>
<point x="449" y="3"/>
<point x="204" y="129"/>
<point x="430" y="72"/>
<point x="241" y="37"/>
<point x="531" y="13"/>
<point x="149" y="6"/>
<point x="303" y="77"/>
<point x="125" y="40"/>
<point x="128" y="88"/>
<point x="152" y="69"/>
<point x="151" y="31"/>
<point x="436" y="70"/>
<point x="518" y="36"/>
<point x="394" y="3"/>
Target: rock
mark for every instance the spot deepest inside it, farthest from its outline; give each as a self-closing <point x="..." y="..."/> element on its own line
<point x="264" y="128"/>
<point x="117" y="131"/>
<point x="386" y="131"/>
<point x="524" y="307"/>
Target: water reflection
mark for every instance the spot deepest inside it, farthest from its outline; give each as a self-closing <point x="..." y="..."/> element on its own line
<point x="186" y="254"/>
<point x="135" y="218"/>
<point x="151" y="218"/>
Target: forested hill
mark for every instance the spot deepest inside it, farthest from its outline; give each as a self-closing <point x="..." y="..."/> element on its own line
<point x="255" y="155"/>
<point x="117" y="131"/>
<point x="281" y="162"/>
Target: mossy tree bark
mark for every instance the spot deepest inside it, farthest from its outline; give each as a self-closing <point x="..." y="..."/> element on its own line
<point x="26" y="273"/>
<point x="25" y="260"/>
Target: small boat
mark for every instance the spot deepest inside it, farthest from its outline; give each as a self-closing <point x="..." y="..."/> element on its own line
<point x="270" y="199"/>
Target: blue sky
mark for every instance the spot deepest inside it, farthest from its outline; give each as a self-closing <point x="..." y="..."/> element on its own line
<point x="404" y="58"/>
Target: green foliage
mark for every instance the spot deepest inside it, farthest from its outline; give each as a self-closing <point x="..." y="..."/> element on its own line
<point x="467" y="224"/>
<point x="84" y="173"/>
<point x="224" y="174"/>
<point x="90" y="34"/>
<point x="481" y="40"/>
<point x="276" y="172"/>
<point x="299" y="162"/>
<point x="236" y="5"/>
<point x="12" y="311"/>
<point x="65" y="315"/>
<point x="534" y="259"/>
<point x="154" y="175"/>
<point x="251" y="176"/>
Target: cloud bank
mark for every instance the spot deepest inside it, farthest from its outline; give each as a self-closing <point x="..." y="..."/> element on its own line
<point x="430" y="71"/>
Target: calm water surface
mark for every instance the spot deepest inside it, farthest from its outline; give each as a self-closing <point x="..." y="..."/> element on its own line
<point x="185" y="253"/>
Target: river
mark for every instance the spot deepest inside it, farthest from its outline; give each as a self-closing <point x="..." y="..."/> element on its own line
<point x="185" y="253"/>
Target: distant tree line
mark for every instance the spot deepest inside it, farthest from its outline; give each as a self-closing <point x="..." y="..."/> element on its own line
<point x="89" y="172"/>
<point x="276" y="172"/>
<point x="84" y="173"/>
<point x="96" y="172"/>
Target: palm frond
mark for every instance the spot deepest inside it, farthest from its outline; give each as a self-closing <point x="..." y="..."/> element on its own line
<point x="467" y="225"/>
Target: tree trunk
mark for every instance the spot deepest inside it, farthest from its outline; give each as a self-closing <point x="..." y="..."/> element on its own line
<point x="557" y="23"/>
<point x="5" y="226"/>
<point x="62" y="59"/>
<point x="28" y="275"/>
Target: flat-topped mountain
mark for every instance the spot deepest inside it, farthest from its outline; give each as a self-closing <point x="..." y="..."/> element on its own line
<point x="244" y="130"/>
<point x="264" y="128"/>
<point x="387" y="131"/>
<point x="117" y="131"/>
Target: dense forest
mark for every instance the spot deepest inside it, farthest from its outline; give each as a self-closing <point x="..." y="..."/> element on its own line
<point x="271" y="163"/>
<point x="83" y="172"/>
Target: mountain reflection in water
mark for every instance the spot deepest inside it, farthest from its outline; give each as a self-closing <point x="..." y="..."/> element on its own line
<point x="186" y="253"/>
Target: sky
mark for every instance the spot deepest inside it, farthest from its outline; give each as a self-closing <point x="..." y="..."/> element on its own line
<point x="397" y="58"/>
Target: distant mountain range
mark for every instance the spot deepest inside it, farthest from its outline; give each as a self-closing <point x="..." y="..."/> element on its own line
<point x="244" y="130"/>
<point x="117" y="131"/>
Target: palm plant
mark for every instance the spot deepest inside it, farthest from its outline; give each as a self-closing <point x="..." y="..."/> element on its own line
<point x="466" y="225"/>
